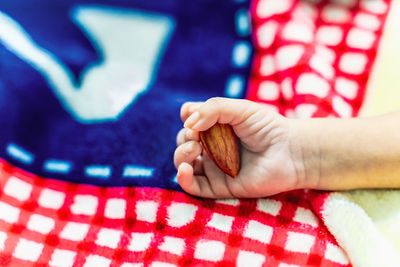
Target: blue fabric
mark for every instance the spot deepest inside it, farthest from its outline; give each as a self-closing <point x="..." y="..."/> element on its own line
<point x="40" y="131"/>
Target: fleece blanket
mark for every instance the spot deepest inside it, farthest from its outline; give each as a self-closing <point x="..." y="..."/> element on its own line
<point x="89" y="101"/>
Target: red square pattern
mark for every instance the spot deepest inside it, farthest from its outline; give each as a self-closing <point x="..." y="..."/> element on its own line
<point x="49" y="222"/>
<point x="313" y="58"/>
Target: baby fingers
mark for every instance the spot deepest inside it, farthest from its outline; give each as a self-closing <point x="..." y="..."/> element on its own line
<point x="186" y="135"/>
<point x="187" y="152"/>
<point x="188" y="108"/>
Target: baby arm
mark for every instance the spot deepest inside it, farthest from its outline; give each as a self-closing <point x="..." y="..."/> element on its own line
<point x="341" y="154"/>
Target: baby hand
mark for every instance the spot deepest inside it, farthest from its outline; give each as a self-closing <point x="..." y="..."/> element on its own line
<point x="267" y="164"/>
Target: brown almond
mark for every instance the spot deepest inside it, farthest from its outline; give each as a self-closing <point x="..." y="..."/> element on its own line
<point x="222" y="146"/>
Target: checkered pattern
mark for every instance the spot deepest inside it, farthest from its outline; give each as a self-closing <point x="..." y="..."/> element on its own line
<point x="44" y="221"/>
<point x="313" y="58"/>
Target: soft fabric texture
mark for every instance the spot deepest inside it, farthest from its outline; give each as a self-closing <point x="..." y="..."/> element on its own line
<point x="90" y="92"/>
<point x="65" y="224"/>
<point x="311" y="58"/>
<point x="314" y="59"/>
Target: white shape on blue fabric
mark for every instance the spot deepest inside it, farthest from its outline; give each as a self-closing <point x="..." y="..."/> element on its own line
<point x="19" y="153"/>
<point x="130" y="45"/>
<point x="242" y="22"/>
<point x="234" y="86"/>
<point x="98" y="171"/>
<point x="241" y="54"/>
<point x="175" y="178"/>
<point x="137" y="171"/>
<point x="57" y="166"/>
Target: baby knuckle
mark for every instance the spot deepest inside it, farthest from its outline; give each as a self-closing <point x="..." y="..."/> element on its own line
<point x="214" y="101"/>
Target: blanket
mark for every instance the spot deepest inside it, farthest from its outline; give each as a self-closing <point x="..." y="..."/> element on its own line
<point x="89" y="101"/>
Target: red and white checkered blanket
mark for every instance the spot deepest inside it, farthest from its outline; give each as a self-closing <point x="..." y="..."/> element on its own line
<point x="44" y="221"/>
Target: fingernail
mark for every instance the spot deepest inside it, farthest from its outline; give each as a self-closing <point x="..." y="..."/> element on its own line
<point x="188" y="147"/>
<point x="196" y="125"/>
<point x="192" y="120"/>
<point x="190" y="134"/>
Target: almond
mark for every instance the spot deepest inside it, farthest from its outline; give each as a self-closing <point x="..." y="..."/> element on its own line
<point x="222" y="146"/>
